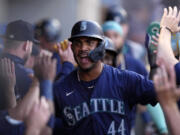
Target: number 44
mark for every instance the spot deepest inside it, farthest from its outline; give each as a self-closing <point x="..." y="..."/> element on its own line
<point x="121" y="129"/>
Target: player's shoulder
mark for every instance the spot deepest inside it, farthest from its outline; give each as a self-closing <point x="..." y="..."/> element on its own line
<point x="132" y="59"/>
<point x="135" y="64"/>
<point x="116" y="72"/>
<point x="67" y="82"/>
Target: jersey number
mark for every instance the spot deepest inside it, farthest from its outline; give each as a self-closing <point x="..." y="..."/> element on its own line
<point x="113" y="131"/>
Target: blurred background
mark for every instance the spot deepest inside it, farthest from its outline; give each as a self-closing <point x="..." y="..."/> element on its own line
<point x="140" y="12"/>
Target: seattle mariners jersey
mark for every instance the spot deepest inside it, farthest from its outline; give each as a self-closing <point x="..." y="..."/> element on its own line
<point x="104" y="111"/>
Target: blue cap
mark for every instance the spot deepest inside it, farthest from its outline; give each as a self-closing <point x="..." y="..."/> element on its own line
<point x="112" y="25"/>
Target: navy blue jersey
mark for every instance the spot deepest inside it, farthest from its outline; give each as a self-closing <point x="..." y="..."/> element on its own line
<point x="105" y="108"/>
<point x="58" y="65"/>
<point x="23" y="81"/>
<point x="137" y="66"/>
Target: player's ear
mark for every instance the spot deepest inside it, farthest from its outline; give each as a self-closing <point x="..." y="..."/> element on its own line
<point x="25" y="45"/>
<point x="72" y="47"/>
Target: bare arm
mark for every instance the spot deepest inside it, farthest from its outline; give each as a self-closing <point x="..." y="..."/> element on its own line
<point x="169" y="23"/>
<point x="37" y="118"/>
<point x="45" y="71"/>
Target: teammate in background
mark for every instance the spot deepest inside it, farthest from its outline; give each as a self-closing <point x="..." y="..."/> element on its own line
<point x="48" y="31"/>
<point x="165" y="82"/>
<point x="95" y="97"/>
<point x="130" y="47"/>
<point x="114" y="31"/>
<point x="18" y="42"/>
<point x="110" y="53"/>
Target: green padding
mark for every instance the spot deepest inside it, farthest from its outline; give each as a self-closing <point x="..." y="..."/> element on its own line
<point x="158" y="117"/>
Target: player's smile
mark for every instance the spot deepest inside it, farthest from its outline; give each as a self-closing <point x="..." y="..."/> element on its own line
<point x="83" y="58"/>
<point x="81" y="49"/>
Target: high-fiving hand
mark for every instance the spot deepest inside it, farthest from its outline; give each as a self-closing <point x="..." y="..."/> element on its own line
<point x="171" y="19"/>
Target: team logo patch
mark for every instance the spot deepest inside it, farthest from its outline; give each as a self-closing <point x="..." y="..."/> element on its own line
<point x="83" y="26"/>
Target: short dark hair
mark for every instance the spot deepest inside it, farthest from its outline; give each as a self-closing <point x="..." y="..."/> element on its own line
<point x="12" y="44"/>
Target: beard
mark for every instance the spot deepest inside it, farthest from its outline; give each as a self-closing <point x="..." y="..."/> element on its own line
<point x="26" y="57"/>
<point x="80" y="67"/>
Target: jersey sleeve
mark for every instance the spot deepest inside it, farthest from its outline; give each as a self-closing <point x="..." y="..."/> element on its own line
<point x="58" y="125"/>
<point x="139" y="89"/>
<point x="177" y="70"/>
<point x="67" y="68"/>
<point x="7" y="128"/>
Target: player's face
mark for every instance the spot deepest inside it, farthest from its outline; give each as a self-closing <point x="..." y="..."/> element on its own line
<point x="81" y="48"/>
<point x="116" y="38"/>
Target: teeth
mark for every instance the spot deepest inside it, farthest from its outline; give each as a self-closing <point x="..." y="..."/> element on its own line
<point x="83" y="56"/>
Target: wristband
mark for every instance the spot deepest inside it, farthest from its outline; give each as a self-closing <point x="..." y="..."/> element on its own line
<point x="167" y="29"/>
<point x="158" y="118"/>
<point x="46" y="89"/>
<point x="13" y="121"/>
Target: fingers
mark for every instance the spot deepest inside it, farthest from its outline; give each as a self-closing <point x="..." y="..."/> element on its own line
<point x="172" y="76"/>
<point x="163" y="74"/>
<point x="43" y="104"/>
<point x="165" y="12"/>
<point x="174" y="13"/>
<point x="7" y="66"/>
<point x="177" y="93"/>
<point x="155" y="79"/>
<point x="178" y="16"/>
<point x="170" y="11"/>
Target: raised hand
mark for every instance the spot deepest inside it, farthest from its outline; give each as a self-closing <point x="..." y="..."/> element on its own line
<point x="24" y="106"/>
<point x="7" y="76"/>
<point x="165" y="84"/>
<point x="66" y="55"/>
<point x="171" y="19"/>
<point x="37" y="119"/>
<point x="45" y="68"/>
<point x="7" y="84"/>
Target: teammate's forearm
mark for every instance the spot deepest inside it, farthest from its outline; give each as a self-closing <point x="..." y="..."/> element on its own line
<point x="46" y="131"/>
<point x="172" y="116"/>
<point x="30" y="131"/>
<point x="164" y="48"/>
<point x="8" y="98"/>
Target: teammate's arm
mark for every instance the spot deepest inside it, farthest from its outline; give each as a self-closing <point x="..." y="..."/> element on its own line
<point x="45" y="71"/>
<point x="37" y="118"/>
<point x="168" y="94"/>
<point x="169" y="24"/>
<point x="67" y="60"/>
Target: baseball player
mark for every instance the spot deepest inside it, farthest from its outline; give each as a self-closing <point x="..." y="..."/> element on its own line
<point x="47" y="31"/>
<point x="97" y="98"/>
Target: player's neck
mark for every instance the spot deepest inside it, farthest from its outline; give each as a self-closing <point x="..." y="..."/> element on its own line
<point x="92" y="74"/>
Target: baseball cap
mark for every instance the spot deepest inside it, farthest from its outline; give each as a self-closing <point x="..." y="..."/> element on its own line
<point x="19" y="30"/>
<point x="117" y="14"/>
<point x="112" y="25"/>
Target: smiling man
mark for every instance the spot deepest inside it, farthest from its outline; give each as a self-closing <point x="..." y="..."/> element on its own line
<point x="96" y="99"/>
